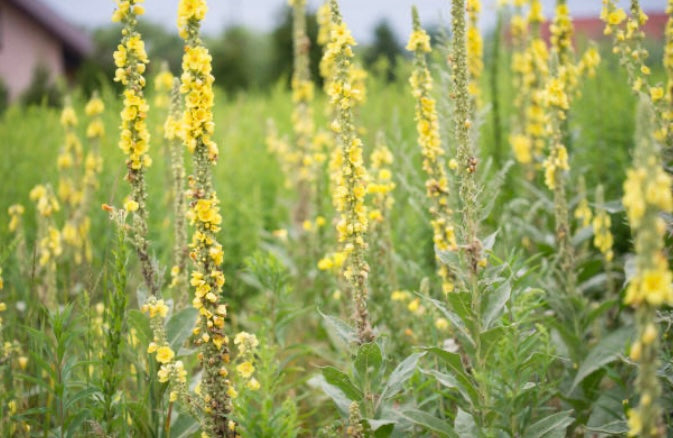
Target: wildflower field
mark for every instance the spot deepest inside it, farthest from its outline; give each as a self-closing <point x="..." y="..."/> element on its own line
<point x="479" y="248"/>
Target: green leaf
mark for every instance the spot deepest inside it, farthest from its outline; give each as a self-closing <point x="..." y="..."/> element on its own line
<point x="180" y="326"/>
<point x="607" y="350"/>
<point x="337" y="395"/>
<point x="368" y="360"/>
<point x="339" y="379"/>
<point x="338" y="330"/>
<point x="401" y="374"/>
<point x="138" y="321"/>
<point x="455" y="319"/>
<point x="184" y="427"/>
<point x="495" y="302"/>
<point x="464" y="425"/>
<point x="617" y="427"/>
<point x="557" y="422"/>
<point x="455" y="365"/>
<point x="428" y="421"/>
<point x="384" y="430"/>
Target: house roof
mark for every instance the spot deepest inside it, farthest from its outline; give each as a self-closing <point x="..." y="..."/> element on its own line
<point x="74" y="39"/>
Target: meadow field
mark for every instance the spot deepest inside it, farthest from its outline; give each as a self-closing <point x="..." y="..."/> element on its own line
<point x="478" y="247"/>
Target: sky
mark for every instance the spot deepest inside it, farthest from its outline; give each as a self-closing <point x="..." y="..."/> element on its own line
<point x="263" y="15"/>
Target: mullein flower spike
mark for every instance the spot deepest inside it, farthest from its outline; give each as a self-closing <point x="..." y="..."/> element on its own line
<point x="434" y="161"/>
<point x="207" y="277"/>
<point x="351" y="188"/>
<point x="647" y="194"/>
<point x="131" y="61"/>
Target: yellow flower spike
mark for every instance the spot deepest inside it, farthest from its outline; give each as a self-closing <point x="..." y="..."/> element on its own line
<point x="197" y="128"/>
<point x="647" y="194"/>
<point x="131" y="60"/>
<point x="351" y="176"/>
<point x="434" y="165"/>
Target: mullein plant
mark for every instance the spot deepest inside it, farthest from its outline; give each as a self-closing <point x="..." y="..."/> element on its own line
<point x="302" y="113"/>
<point x="163" y="87"/>
<point x="69" y="159"/>
<point x="16" y="228"/>
<point x="70" y="191"/>
<point x="131" y="61"/>
<point x="380" y="189"/>
<point x="647" y="194"/>
<point x="603" y="239"/>
<point x="76" y="229"/>
<point x="172" y="134"/>
<point x="204" y="214"/>
<point x="628" y="37"/>
<point x="351" y="181"/>
<point x="49" y="242"/>
<point x="475" y="51"/>
<point x="536" y="73"/>
<point x="434" y="161"/>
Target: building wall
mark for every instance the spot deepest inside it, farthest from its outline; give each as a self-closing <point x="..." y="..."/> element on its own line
<point x="25" y="45"/>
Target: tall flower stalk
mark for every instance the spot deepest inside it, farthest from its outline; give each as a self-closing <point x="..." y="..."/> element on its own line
<point x="434" y="162"/>
<point x="466" y="148"/>
<point x="647" y="194"/>
<point x="204" y="214"/>
<point x="302" y="114"/>
<point x="172" y="134"/>
<point x="131" y="60"/>
<point x="49" y="242"/>
<point x="351" y="180"/>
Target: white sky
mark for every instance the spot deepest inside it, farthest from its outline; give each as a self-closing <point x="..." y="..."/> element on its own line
<point x="361" y="15"/>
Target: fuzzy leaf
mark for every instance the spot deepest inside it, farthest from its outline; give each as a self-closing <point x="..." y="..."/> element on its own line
<point x="495" y="302"/>
<point x="179" y="327"/>
<point x="400" y="374"/>
<point x="608" y="349"/>
<point x="428" y="421"/>
<point x="368" y="360"/>
<point x="338" y="330"/>
<point x="337" y="395"/>
<point x="339" y="379"/>
<point x="464" y="425"/>
<point x="557" y="422"/>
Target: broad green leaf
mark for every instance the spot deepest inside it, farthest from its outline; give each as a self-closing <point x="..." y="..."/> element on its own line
<point x="464" y="425"/>
<point x="617" y="427"/>
<point x="557" y="422"/>
<point x="401" y="374"/>
<point x="383" y="431"/>
<point x="368" y="360"/>
<point x="461" y="383"/>
<point x="337" y="395"/>
<point x="184" y="427"/>
<point x="339" y="379"/>
<point x="137" y="320"/>
<point x="455" y="320"/>
<point x="338" y="330"/>
<point x="428" y="421"/>
<point x="180" y="326"/>
<point x="489" y="241"/>
<point x="608" y="349"/>
<point x="495" y="302"/>
<point x="455" y="365"/>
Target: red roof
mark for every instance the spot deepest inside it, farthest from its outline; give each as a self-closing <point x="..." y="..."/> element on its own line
<point x="74" y="39"/>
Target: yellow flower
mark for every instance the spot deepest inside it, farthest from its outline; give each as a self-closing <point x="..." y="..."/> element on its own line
<point x="253" y="384"/>
<point x="165" y="354"/>
<point x="245" y="369"/>
<point x="419" y="40"/>
<point x="656" y="93"/>
<point x="130" y="205"/>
